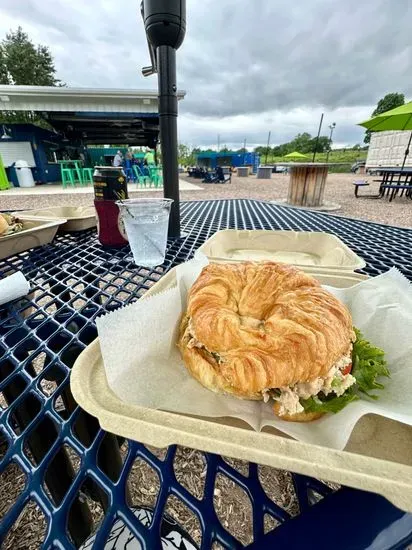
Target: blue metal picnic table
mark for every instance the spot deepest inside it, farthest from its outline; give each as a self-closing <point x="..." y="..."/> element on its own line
<point x="69" y="462"/>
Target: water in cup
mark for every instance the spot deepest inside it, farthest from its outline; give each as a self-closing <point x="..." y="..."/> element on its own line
<point x="146" y="223"/>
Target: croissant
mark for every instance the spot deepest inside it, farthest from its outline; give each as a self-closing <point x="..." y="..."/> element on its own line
<point x="251" y="328"/>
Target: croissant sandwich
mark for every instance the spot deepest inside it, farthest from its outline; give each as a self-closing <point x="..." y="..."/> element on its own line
<point x="268" y="331"/>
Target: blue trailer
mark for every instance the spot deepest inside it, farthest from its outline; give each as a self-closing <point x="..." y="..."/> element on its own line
<point x="212" y="159"/>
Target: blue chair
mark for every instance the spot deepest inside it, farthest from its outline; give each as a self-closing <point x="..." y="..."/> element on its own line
<point x="128" y="170"/>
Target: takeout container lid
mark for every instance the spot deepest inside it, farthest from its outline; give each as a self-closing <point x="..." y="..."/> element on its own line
<point x="313" y="251"/>
<point x="36" y="232"/>
<point x="73" y="218"/>
<point x="377" y="458"/>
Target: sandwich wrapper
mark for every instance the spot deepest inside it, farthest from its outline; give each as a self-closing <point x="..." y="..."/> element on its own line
<point x="144" y="367"/>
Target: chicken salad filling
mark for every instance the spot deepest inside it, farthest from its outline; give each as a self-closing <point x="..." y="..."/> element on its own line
<point x="355" y="373"/>
<point x="336" y="382"/>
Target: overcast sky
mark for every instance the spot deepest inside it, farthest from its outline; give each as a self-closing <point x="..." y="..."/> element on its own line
<point x="247" y="67"/>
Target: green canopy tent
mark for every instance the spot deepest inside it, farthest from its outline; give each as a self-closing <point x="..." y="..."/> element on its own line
<point x="399" y="118"/>
<point x="295" y="156"/>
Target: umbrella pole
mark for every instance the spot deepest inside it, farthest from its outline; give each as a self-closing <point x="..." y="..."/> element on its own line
<point x="405" y="157"/>
<point x="166" y="65"/>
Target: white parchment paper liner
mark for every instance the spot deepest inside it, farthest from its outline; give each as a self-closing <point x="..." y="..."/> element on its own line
<point x="143" y="365"/>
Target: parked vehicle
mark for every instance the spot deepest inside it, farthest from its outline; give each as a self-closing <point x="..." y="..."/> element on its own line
<point x="356" y="166"/>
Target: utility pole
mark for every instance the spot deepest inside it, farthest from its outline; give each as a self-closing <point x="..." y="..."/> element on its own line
<point x="218" y="142"/>
<point x="267" y="149"/>
<point x="244" y="152"/>
<point x="317" y="138"/>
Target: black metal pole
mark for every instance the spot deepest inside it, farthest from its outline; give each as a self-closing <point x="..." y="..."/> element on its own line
<point x="405" y="157"/>
<point x="317" y="138"/>
<point x="166" y="65"/>
<point x="267" y="149"/>
<point x="406" y="152"/>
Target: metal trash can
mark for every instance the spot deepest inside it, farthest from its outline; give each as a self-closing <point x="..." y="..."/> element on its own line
<point x="24" y="175"/>
<point x="243" y="171"/>
<point x="264" y="173"/>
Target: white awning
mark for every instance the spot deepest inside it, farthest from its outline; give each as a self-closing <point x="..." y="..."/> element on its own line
<point x="92" y="116"/>
<point x="46" y="98"/>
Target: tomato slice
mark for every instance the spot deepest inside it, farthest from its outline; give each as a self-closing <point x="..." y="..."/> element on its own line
<point x="347" y="369"/>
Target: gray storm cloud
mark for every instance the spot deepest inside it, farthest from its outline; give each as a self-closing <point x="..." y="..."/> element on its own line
<point x="259" y="60"/>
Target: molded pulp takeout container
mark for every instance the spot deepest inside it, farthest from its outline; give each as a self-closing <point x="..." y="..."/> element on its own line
<point x="308" y="250"/>
<point x="36" y="232"/>
<point x="75" y="218"/>
<point x="377" y="458"/>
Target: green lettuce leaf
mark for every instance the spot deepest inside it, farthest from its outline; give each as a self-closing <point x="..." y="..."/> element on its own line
<point x="325" y="404"/>
<point x="368" y="362"/>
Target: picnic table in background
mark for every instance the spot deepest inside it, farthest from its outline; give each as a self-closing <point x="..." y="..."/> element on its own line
<point x="395" y="180"/>
<point x="71" y="467"/>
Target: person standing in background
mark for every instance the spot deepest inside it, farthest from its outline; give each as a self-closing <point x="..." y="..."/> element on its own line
<point x="118" y="159"/>
<point x="149" y="157"/>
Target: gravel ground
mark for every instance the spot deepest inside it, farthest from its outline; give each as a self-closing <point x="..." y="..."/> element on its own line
<point x="231" y="502"/>
<point x="339" y="189"/>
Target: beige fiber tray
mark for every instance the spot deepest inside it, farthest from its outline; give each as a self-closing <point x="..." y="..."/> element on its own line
<point x="36" y="232"/>
<point x="378" y="456"/>
<point x="311" y="250"/>
<point x="77" y="218"/>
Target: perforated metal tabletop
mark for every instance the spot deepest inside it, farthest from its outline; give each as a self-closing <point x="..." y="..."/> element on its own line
<point x="69" y="465"/>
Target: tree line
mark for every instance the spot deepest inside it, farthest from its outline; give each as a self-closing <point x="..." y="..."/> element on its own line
<point x="26" y="64"/>
<point x="303" y="143"/>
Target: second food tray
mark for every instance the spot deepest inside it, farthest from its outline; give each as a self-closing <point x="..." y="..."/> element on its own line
<point x="306" y="249"/>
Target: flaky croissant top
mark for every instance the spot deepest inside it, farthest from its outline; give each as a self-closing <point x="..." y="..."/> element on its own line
<point x="251" y="326"/>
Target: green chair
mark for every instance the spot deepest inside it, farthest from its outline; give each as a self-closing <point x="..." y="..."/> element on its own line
<point x="77" y="172"/>
<point x="160" y="175"/>
<point x="67" y="176"/>
<point x="154" y="174"/>
<point x="87" y="176"/>
<point x="140" y="177"/>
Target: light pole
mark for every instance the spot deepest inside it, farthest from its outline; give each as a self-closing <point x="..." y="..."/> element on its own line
<point x="317" y="138"/>
<point x="331" y="128"/>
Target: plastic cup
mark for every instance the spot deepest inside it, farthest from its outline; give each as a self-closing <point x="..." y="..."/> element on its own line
<point x="146" y="222"/>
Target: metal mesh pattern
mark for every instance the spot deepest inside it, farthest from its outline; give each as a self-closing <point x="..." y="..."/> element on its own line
<point x="64" y="455"/>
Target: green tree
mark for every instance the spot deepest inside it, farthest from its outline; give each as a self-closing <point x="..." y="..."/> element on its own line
<point x="390" y="101"/>
<point x="322" y="146"/>
<point x="302" y="143"/>
<point x="24" y="63"/>
<point x="186" y="156"/>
